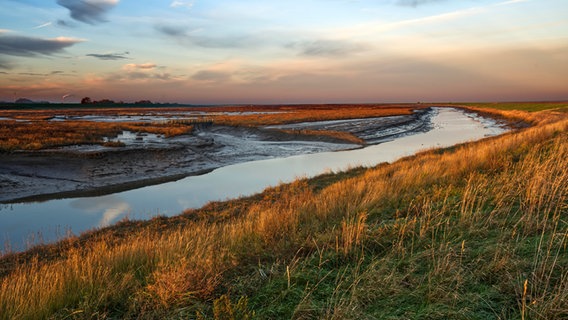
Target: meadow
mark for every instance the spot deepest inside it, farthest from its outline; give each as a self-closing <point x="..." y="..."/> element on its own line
<point x="475" y="231"/>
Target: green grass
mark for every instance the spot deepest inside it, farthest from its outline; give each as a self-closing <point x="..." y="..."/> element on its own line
<point x="522" y="106"/>
<point x="477" y="231"/>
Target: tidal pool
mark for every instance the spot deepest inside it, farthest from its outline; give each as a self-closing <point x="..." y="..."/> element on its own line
<point x="26" y="224"/>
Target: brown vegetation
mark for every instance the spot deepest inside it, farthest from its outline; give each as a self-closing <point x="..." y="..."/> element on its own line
<point x="474" y="231"/>
<point x="33" y="130"/>
<point x="35" y="135"/>
<point x="306" y="113"/>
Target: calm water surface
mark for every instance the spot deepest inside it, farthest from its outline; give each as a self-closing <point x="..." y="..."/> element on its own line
<point x="27" y="223"/>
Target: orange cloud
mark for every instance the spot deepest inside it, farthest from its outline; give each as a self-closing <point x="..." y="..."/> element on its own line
<point x="142" y="66"/>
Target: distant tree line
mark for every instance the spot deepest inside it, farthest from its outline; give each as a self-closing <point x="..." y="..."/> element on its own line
<point x="87" y="100"/>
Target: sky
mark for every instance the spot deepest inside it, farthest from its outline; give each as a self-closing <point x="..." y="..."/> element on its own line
<point x="293" y="51"/>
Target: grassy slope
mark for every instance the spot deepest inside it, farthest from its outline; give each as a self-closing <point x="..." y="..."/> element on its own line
<point x="476" y="231"/>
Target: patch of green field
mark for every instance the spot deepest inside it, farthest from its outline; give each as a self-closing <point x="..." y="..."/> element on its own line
<point x="522" y="106"/>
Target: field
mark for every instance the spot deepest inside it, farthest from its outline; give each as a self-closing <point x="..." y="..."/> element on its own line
<point x="522" y="106"/>
<point x="476" y="231"/>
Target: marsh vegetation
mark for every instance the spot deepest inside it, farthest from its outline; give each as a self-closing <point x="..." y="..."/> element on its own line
<point x="51" y="128"/>
<point x="475" y="231"/>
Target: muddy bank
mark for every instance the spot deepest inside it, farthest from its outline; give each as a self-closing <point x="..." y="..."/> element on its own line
<point x="93" y="170"/>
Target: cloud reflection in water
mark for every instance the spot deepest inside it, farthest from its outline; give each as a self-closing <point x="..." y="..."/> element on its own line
<point x="110" y="207"/>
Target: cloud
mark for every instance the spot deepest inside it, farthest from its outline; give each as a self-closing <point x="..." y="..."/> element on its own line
<point x="154" y="76"/>
<point x="179" y="4"/>
<point x="32" y="74"/>
<point x="6" y="65"/>
<point x="209" y="75"/>
<point x="109" y="56"/>
<point x="88" y="11"/>
<point x="505" y="3"/>
<point x="16" y="45"/>
<point x="110" y="215"/>
<point x="327" y="48"/>
<point x="63" y="23"/>
<point x="35" y="74"/>
<point x="193" y="38"/>
<point x="109" y="208"/>
<point x="414" y="3"/>
<point x="47" y="24"/>
<point x="142" y="66"/>
<point x="138" y="75"/>
<point x="141" y="71"/>
<point x="172" y="31"/>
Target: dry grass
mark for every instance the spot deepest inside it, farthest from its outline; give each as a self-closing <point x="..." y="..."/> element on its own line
<point x="35" y="131"/>
<point x="476" y="231"/>
<point x="38" y="135"/>
<point x="304" y="113"/>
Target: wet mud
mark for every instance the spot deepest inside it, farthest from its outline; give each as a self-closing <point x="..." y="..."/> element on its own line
<point x="93" y="170"/>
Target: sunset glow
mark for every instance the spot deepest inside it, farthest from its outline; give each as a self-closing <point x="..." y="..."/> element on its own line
<point x="316" y="51"/>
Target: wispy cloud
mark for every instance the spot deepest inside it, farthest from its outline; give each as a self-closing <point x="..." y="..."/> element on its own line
<point x="16" y="45"/>
<point x="6" y="65"/>
<point x="109" y="56"/>
<point x="415" y="3"/>
<point x="213" y="76"/>
<point x="373" y="29"/>
<point x="505" y="3"/>
<point x="108" y="207"/>
<point x="139" y="76"/>
<point x="47" y="24"/>
<point x="196" y="38"/>
<point x="63" y="23"/>
<point x="88" y="11"/>
<point x="140" y="72"/>
<point x="141" y="66"/>
<point x="172" y="31"/>
<point x="182" y="4"/>
<point x="36" y="74"/>
<point x="327" y="48"/>
<point x="112" y="214"/>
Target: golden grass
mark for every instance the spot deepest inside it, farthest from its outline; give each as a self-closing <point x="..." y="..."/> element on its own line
<point x="38" y="135"/>
<point x="34" y="131"/>
<point x="475" y="230"/>
<point x="306" y="113"/>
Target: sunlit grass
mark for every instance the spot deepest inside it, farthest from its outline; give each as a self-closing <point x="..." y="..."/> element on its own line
<point x="305" y="113"/>
<point x="522" y="106"/>
<point x="33" y="130"/>
<point x="38" y="135"/>
<point x="477" y="231"/>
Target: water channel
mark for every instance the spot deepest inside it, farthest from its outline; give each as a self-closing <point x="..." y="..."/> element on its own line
<point x="25" y="224"/>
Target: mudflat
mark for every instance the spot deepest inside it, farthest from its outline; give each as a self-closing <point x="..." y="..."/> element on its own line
<point x="96" y="170"/>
